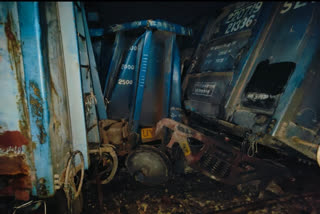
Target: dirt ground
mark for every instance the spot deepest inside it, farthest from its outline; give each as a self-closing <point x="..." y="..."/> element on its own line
<point x="195" y="193"/>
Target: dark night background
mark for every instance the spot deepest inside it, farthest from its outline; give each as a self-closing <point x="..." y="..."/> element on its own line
<point x="180" y="12"/>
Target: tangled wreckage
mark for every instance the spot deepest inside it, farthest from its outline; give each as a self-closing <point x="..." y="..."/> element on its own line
<point x="74" y="104"/>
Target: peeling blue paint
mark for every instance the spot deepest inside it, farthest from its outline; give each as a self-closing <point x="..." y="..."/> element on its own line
<point x="37" y="95"/>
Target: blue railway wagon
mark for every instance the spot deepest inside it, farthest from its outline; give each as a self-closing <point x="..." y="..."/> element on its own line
<point x="277" y="97"/>
<point x="42" y="116"/>
<point x="226" y="45"/>
<point x="143" y="79"/>
<point x="267" y="89"/>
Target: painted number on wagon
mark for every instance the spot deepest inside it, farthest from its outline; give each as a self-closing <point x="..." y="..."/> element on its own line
<point x="288" y="6"/>
<point x="239" y="25"/>
<point x="125" y="82"/>
<point x="129" y="67"/>
<point x="133" y="48"/>
<point x="242" y="17"/>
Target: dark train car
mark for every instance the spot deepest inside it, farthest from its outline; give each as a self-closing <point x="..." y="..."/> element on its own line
<point x="259" y="82"/>
<point x="277" y="96"/>
<point x="226" y="45"/>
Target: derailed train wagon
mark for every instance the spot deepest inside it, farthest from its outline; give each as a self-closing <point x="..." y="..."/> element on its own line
<point x="53" y="110"/>
<point x="142" y="86"/>
<point x="142" y="83"/>
<point x="45" y="128"/>
<point x="276" y="99"/>
<point x="253" y="82"/>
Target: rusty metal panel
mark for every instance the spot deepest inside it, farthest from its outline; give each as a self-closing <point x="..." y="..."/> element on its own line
<point x="37" y="95"/>
<point x="40" y="122"/>
<point x="59" y="125"/>
<point x="16" y="147"/>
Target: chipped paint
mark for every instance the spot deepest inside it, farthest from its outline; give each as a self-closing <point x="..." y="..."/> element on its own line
<point x="14" y="50"/>
<point x="34" y="133"/>
<point x="16" y="158"/>
<point x="35" y="77"/>
<point x="37" y="110"/>
<point x="13" y="44"/>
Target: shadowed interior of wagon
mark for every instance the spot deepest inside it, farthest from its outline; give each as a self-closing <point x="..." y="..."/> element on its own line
<point x="267" y="84"/>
